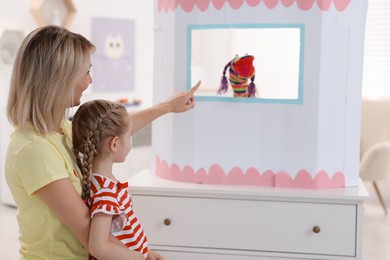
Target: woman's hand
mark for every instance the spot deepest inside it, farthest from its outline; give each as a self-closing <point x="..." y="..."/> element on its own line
<point x="183" y="101"/>
<point x="154" y="256"/>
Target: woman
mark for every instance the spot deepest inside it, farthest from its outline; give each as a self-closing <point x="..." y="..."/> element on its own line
<point x="50" y="73"/>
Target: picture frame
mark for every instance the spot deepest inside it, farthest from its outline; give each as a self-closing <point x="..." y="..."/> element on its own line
<point x="56" y="12"/>
<point x="10" y="41"/>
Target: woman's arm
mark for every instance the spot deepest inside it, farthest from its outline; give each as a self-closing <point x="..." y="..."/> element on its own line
<point x="101" y="247"/>
<point x="61" y="197"/>
<point x="179" y="102"/>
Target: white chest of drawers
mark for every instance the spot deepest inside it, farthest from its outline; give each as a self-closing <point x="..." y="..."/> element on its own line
<point x="212" y="222"/>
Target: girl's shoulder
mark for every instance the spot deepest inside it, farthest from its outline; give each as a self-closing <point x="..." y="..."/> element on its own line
<point x="100" y="181"/>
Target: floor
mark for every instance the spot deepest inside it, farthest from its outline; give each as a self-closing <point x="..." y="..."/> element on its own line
<point x="376" y="232"/>
<point x="8" y="233"/>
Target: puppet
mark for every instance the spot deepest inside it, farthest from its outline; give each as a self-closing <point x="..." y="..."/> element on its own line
<point x="241" y="69"/>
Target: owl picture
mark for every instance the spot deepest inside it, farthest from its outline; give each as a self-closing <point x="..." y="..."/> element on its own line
<point x="113" y="61"/>
<point x="114" y="47"/>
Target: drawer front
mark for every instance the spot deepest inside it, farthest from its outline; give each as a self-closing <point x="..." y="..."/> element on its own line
<point x="248" y="225"/>
<point x="171" y="255"/>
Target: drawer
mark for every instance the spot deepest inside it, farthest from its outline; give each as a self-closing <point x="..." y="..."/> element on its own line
<point x="171" y="255"/>
<point x="272" y="226"/>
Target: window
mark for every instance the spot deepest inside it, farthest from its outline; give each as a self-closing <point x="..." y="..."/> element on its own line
<point x="277" y="50"/>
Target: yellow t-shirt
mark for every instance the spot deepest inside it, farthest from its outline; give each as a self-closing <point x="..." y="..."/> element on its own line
<point x="32" y="162"/>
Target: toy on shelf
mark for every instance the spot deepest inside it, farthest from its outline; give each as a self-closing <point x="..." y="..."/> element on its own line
<point x="127" y="103"/>
<point x="241" y="69"/>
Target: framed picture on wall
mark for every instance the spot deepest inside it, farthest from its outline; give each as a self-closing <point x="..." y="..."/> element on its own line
<point x="10" y="41"/>
<point x="113" y="61"/>
<point x="55" y="12"/>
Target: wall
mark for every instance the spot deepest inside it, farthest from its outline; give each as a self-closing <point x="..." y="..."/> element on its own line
<point x="16" y="15"/>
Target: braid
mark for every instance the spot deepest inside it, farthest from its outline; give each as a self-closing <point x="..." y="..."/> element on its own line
<point x="88" y="150"/>
<point x="93" y="122"/>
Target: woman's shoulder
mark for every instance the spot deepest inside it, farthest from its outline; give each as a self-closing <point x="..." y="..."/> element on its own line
<point x="33" y="141"/>
<point x="27" y="137"/>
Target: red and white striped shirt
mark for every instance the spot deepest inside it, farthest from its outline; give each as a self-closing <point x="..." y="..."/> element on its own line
<point x="112" y="198"/>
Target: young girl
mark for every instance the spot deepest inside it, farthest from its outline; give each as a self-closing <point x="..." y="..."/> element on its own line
<point x="101" y="137"/>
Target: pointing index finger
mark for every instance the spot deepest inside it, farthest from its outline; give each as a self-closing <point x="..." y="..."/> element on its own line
<point x="194" y="88"/>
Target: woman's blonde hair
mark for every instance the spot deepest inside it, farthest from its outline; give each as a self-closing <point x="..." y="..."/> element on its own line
<point x="49" y="63"/>
<point x="94" y="122"/>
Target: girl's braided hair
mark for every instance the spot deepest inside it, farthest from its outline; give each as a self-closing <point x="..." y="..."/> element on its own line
<point x="93" y="122"/>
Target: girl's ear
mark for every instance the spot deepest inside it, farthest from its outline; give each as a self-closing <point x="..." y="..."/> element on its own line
<point x="113" y="143"/>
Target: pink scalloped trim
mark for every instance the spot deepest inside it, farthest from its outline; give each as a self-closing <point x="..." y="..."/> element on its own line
<point x="236" y="176"/>
<point x="203" y="5"/>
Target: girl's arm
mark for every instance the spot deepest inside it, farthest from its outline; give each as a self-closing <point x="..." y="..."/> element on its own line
<point x="179" y="102"/>
<point x="101" y="247"/>
<point x="61" y="197"/>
